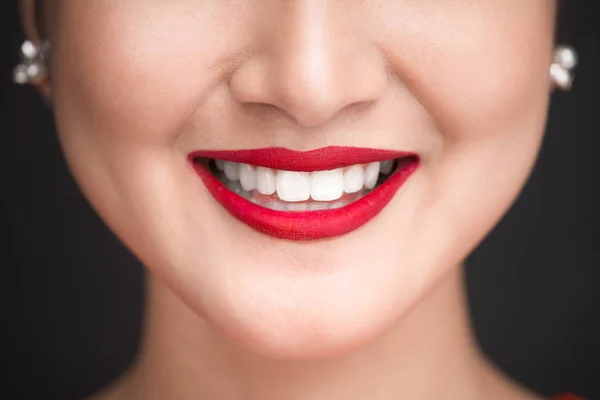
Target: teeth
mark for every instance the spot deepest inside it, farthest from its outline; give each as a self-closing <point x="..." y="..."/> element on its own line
<point x="317" y="205"/>
<point x="266" y="182"/>
<point x="325" y="188"/>
<point x="314" y="206"/>
<point x="354" y="179"/>
<point x="337" y="204"/>
<point x="372" y="175"/>
<point x="293" y="186"/>
<point x="297" y="206"/>
<point x="232" y="170"/>
<point x="247" y="177"/>
<point x="386" y="167"/>
<point x="327" y="185"/>
<point x="278" y="206"/>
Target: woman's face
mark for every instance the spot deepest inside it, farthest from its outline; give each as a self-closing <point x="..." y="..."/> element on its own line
<point x="139" y="85"/>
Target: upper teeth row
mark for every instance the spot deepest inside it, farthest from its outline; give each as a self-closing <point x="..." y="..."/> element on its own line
<point x="300" y="186"/>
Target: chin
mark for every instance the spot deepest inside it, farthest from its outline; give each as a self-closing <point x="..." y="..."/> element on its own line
<point x="296" y="316"/>
<point x="290" y="300"/>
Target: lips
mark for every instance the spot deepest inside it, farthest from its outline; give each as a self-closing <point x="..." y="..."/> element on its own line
<point x="305" y="225"/>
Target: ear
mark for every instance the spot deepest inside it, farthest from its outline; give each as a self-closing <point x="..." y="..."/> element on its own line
<point x="32" y="23"/>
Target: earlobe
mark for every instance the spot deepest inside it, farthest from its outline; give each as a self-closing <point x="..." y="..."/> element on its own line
<point x="34" y="52"/>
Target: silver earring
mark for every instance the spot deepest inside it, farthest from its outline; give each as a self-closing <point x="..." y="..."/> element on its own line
<point x="33" y="67"/>
<point x="561" y="71"/>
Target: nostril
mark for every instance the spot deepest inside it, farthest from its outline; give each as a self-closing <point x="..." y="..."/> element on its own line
<point x="316" y="111"/>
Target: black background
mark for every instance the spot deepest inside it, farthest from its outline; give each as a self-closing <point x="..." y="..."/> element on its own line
<point x="71" y="295"/>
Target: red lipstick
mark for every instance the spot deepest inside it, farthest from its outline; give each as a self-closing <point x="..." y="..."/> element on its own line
<point x="306" y="225"/>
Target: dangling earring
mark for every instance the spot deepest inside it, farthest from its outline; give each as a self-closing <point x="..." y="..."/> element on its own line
<point x="33" y="67"/>
<point x="561" y="70"/>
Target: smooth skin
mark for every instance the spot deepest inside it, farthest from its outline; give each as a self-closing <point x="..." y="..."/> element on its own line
<point x="377" y="314"/>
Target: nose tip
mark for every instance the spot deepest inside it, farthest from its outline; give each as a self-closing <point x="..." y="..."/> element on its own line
<point x="311" y="70"/>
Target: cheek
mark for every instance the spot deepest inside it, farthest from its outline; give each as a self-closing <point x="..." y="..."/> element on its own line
<point x="484" y="82"/>
<point x="475" y="69"/>
<point x="123" y="92"/>
<point x="139" y="70"/>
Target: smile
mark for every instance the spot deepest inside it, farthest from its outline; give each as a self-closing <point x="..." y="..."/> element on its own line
<point x="310" y="195"/>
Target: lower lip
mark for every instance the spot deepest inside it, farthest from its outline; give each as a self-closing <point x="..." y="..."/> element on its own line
<point x="307" y="225"/>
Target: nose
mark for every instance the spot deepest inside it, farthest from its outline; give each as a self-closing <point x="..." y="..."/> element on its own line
<point x="311" y="63"/>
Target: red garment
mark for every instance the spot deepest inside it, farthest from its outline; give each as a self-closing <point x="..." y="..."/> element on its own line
<point x="568" y="397"/>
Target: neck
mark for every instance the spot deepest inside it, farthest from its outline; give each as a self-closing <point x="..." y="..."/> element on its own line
<point x="429" y="354"/>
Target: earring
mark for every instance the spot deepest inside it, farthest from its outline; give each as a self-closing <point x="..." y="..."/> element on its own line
<point x="561" y="70"/>
<point x="33" y="66"/>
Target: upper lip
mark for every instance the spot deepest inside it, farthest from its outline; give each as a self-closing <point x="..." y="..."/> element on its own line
<point x="325" y="158"/>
